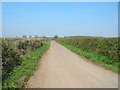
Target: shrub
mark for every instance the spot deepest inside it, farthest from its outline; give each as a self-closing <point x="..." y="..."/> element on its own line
<point x="10" y="58"/>
<point x="25" y="46"/>
<point x="12" y="53"/>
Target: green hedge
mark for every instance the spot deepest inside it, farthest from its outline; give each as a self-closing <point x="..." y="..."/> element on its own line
<point x="10" y="58"/>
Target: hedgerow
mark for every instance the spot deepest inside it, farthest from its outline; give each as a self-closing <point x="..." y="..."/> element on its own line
<point x="10" y="58"/>
<point x="12" y="53"/>
<point x="25" y="46"/>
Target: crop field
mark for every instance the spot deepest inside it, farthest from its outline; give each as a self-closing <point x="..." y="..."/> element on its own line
<point x="104" y="51"/>
<point x="17" y="51"/>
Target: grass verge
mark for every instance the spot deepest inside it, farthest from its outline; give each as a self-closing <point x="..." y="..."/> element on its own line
<point x="20" y="75"/>
<point x="97" y="59"/>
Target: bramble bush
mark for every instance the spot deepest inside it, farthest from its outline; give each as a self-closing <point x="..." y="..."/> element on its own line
<point x="25" y="46"/>
<point x="12" y="53"/>
<point x="10" y="58"/>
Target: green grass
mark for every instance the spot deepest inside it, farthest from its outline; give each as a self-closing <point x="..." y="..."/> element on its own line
<point x="95" y="58"/>
<point x="20" y="75"/>
<point x="12" y="41"/>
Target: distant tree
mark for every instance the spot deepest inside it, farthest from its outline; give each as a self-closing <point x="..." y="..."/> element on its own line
<point x="24" y="36"/>
<point x="30" y="36"/>
<point x="36" y="36"/>
<point x="55" y="36"/>
<point x="44" y="36"/>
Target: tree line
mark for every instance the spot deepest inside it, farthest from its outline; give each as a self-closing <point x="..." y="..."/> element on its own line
<point x="36" y="36"/>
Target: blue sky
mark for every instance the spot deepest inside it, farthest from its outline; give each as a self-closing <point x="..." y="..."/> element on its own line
<point x="60" y="18"/>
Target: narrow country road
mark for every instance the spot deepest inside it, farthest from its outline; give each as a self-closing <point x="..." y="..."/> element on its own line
<point x="61" y="68"/>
